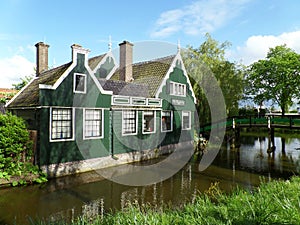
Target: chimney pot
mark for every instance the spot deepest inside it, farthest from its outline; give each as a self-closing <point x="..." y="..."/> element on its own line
<point x="41" y="57"/>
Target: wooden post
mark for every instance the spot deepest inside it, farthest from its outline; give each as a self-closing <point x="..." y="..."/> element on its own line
<point x="235" y="143"/>
<point x="283" y="146"/>
<point x="33" y="137"/>
<point x="271" y="147"/>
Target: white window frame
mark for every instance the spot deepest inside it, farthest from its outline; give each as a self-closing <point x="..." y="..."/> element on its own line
<point x="72" y="125"/>
<point x="143" y="124"/>
<point x="190" y="120"/>
<point x="171" y="115"/>
<point x="177" y="89"/>
<point x="136" y="122"/>
<point x="85" y="137"/>
<point x="74" y="83"/>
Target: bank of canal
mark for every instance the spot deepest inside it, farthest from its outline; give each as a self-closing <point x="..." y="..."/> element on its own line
<point x="89" y="194"/>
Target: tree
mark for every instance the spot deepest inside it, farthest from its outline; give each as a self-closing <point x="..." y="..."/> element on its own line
<point x="210" y="58"/>
<point x="23" y="82"/>
<point x="275" y="78"/>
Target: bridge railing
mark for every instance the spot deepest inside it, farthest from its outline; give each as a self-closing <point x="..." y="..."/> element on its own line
<point x="288" y="121"/>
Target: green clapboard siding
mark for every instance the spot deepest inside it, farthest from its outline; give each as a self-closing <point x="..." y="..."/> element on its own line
<point x="113" y="141"/>
<point x="136" y="142"/>
<point x="63" y="96"/>
<point x="178" y="135"/>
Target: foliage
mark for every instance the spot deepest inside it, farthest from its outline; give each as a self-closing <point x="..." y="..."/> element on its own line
<point x="16" y="150"/>
<point x="209" y="57"/>
<point x="275" y="78"/>
<point x="23" y="82"/>
<point x="248" y="111"/>
<point x="6" y="96"/>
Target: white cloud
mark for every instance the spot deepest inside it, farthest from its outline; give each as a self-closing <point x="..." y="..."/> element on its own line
<point x="257" y="47"/>
<point x="14" y="68"/>
<point x="200" y="17"/>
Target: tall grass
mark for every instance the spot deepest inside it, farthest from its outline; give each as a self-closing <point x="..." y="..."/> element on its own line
<point x="276" y="202"/>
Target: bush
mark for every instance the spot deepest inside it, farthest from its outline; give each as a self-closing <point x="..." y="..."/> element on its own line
<point x="15" y="148"/>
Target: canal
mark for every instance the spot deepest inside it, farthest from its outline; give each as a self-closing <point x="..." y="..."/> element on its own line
<point x="90" y="194"/>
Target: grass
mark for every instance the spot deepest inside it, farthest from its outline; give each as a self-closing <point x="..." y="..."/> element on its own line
<point x="276" y="202"/>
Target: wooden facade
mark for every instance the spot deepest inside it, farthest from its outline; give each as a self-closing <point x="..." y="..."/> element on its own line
<point x="82" y="110"/>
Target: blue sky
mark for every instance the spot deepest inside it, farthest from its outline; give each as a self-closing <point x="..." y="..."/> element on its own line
<point x="251" y="26"/>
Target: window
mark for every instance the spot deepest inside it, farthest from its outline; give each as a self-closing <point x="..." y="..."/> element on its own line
<point x="186" y="120"/>
<point x="61" y="124"/>
<point x="148" y="122"/>
<point x="177" y="89"/>
<point x="129" y="122"/>
<point x="166" y="121"/>
<point x="93" y="123"/>
<point x="79" y="83"/>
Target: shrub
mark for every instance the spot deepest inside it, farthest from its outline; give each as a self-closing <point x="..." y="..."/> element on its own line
<point x="15" y="148"/>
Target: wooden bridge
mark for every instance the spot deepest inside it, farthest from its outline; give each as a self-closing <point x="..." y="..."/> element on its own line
<point x="268" y="121"/>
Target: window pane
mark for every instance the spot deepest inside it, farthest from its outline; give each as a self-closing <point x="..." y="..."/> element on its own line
<point x="166" y="120"/>
<point x="186" y="120"/>
<point x="129" y="122"/>
<point x="93" y="123"/>
<point x="61" y="127"/>
<point x="149" y="122"/>
<point x="79" y="83"/>
<point x="177" y="89"/>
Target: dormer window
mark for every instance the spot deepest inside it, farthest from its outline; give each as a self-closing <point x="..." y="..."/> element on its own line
<point x="79" y="83"/>
<point x="177" y="89"/>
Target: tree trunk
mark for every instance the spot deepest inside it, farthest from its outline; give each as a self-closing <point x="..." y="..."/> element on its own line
<point x="282" y="110"/>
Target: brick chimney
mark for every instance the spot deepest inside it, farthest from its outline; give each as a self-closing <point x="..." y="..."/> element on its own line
<point x="126" y="61"/>
<point x="41" y="57"/>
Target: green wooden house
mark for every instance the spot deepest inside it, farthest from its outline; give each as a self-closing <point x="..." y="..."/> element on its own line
<point x="94" y="112"/>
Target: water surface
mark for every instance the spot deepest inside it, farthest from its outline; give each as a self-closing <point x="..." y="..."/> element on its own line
<point x="90" y="194"/>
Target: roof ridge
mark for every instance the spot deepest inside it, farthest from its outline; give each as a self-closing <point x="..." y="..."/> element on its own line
<point x="55" y="68"/>
<point x="156" y="60"/>
<point x="96" y="56"/>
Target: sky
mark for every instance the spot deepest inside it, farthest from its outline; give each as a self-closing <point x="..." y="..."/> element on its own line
<point x="251" y="26"/>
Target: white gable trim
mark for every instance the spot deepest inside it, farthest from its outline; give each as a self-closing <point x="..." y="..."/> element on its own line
<point x="171" y="69"/>
<point x="60" y="79"/>
<point x="95" y="79"/>
<point x="71" y="67"/>
<point x="108" y="55"/>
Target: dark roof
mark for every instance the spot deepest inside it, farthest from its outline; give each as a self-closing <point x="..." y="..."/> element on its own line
<point x="30" y="96"/>
<point x="149" y="73"/>
<point x="147" y="76"/>
<point x="124" y="88"/>
<point x="93" y="62"/>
